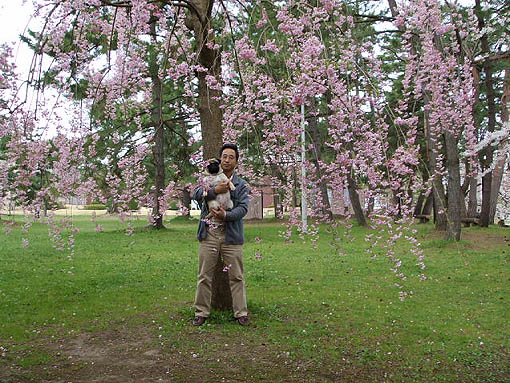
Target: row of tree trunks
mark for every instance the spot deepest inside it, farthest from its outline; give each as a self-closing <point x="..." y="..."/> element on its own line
<point x="431" y="140"/>
<point x="199" y="20"/>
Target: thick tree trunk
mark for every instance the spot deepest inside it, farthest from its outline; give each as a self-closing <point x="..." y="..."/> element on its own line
<point x="472" y="198"/>
<point x="486" y="199"/>
<point x="158" y="152"/>
<point x="499" y="169"/>
<point x="463" y="210"/>
<point x="487" y="154"/>
<point x="454" y="190"/>
<point x="356" y="205"/>
<point x="199" y="21"/>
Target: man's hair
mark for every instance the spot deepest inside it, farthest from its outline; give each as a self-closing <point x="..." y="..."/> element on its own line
<point x="230" y="146"/>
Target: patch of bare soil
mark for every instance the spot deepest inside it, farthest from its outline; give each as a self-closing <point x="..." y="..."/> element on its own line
<point x="480" y="240"/>
<point x="126" y="354"/>
<point x="484" y="241"/>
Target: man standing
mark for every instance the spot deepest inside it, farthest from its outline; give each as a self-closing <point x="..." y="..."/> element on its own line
<point x="223" y="238"/>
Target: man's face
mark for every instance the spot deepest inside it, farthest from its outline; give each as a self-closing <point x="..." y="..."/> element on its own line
<point x="228" y="160"/>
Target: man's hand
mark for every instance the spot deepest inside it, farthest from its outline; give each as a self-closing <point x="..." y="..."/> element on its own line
<point x="222" y="187"/>
<point x="219" y="214"/>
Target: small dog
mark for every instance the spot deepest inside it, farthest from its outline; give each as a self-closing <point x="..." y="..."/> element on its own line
<point x="212" y="176"/>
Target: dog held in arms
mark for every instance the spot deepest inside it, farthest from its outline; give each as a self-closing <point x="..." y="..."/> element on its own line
<point x="212" y="176"/>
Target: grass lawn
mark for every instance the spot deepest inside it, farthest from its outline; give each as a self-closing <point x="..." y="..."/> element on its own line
<point x="119" y="310"/>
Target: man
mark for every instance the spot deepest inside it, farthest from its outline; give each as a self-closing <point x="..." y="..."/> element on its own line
<point x="224" y="238"/>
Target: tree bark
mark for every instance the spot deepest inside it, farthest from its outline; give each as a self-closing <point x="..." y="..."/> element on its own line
<point x="499" y="169"/>
<point x="316" y="158"/>
<point x="158" y="152"/>
<point x="439" y="195"/>
<point x="419" y="204"/>
<point x="423" y="199"/>
<point x="356" y="205"/>
<point x="278" y="207"/>
<point x="427" y="207"/>
<point x="199" y="21"/>
<point x="487" y="154"/>
<point x="371" y="205"/>
<point x="454" y="190"/>
<point x="472" y="210"/>
<point x="472" y="198"/>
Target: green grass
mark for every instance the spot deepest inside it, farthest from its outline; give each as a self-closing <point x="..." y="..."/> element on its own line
<point x="327" y="314"/>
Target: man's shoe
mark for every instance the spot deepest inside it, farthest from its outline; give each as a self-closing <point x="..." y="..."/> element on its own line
<point x="244" y="320"/>
<point x="198" y="321"/>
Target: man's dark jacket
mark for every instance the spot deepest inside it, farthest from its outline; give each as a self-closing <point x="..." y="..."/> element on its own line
<point x="234" y="234"/>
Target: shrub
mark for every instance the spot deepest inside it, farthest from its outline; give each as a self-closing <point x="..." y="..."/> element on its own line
<point x="133" y="205"/>
<point x="95" y="206"/>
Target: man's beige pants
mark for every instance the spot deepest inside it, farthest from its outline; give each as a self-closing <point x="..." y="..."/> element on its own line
<point x="210" y="248"/>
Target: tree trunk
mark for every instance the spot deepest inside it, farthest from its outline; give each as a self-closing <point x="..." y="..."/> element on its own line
<point x="472" y="198"/>
<point x="497" y="178"/>
<point x="419" y="204"/>
<point x="159" y="176"/>
<point x="186" y="200"/>
<point x="427" y="207"/>
<point x="439" y="196"/>
<point x="356" y="205"/>
<point x="199" y="21"/>
<point x="316" y="158"/>
<point x="472" y="210"/>
<point x="499" y="169"/>
<point x="465" y="188"/>
<point x="371" y="204"/>
<point x="487" y="154"/>
<point x="158" y="151"/>
<point x="454" y="190"/>
<point x="278" y="207"/>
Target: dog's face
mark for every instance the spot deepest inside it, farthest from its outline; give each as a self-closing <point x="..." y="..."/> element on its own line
<point x="213" y="167"/>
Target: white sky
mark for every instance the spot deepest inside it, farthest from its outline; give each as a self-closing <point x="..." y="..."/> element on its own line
<point x="14" y="19"/>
